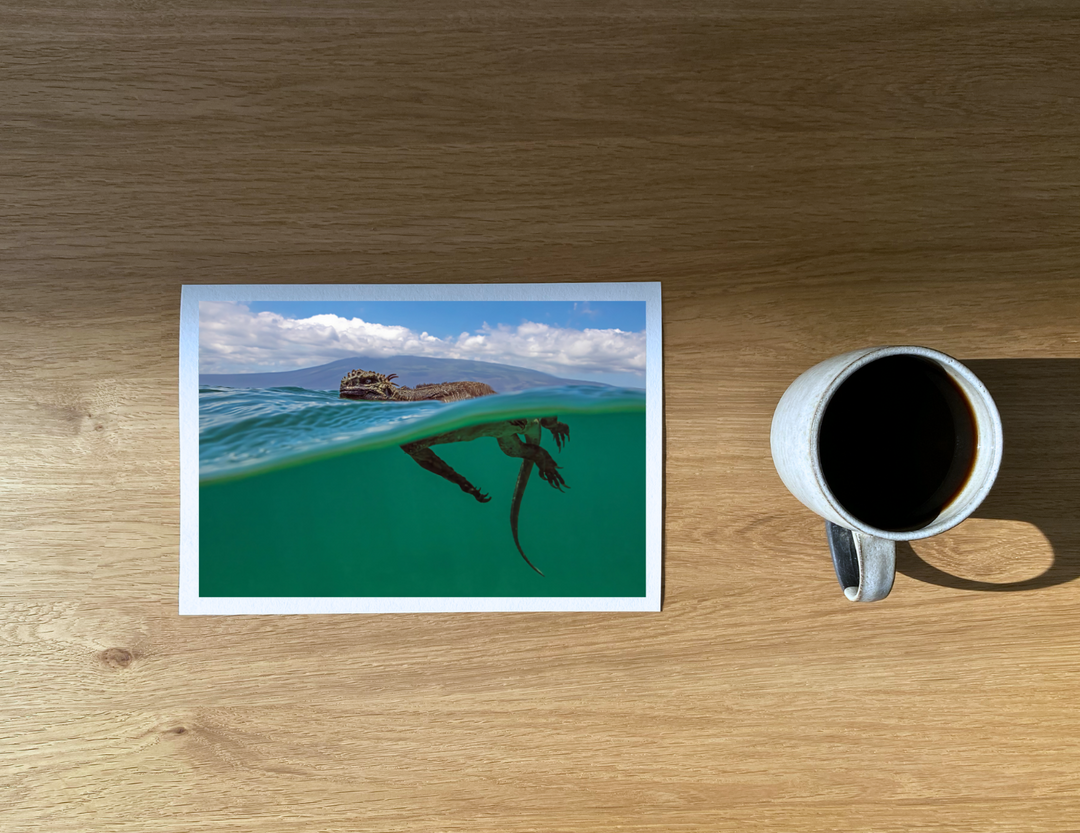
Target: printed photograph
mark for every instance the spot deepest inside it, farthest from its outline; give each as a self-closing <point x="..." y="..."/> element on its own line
<point x="412" y="454"/>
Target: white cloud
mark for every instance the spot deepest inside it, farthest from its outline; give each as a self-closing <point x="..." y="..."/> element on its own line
<point x="232" y="339"/>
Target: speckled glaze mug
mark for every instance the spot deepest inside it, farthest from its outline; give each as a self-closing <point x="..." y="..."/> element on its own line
<point x="886" y="444"/>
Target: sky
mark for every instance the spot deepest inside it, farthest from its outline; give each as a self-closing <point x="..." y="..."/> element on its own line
<point x="599" y="341"/>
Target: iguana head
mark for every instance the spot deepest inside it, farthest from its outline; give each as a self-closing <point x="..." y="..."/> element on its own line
<point x="366" y="384"/>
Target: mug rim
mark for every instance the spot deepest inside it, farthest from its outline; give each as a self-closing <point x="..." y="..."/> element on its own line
<point x="946" y="519"/>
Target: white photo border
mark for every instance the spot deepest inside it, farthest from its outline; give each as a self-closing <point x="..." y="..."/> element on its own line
<point x="191" y="603"/>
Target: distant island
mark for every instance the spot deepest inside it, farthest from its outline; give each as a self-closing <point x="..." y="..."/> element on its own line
<point x="411" y="371"/>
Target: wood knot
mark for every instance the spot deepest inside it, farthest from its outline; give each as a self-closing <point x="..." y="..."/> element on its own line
<point x="117" y="657"/>
<point x="178" y="730"/>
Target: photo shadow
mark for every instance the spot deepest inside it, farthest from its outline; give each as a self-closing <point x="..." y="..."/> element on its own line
<point x="1039" y="479"/>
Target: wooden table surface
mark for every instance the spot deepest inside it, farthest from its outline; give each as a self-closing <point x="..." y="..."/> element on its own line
<point x="804" y="178"/>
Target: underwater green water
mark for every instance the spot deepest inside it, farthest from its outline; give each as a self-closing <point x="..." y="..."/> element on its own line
<point x="369" y="521"/>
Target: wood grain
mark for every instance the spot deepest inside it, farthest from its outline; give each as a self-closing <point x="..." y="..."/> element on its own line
<point x="803" y="178"/>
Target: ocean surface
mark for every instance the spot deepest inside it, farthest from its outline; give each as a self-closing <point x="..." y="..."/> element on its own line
<point x="306" y="494"/>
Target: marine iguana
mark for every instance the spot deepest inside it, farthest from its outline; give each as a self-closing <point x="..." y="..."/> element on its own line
<point x="366" y="384"/>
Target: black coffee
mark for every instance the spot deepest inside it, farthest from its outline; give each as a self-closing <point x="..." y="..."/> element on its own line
<point x="897" y="442"/>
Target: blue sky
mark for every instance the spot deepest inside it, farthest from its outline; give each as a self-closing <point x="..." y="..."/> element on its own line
<point x="595" y="341"/>
<point x="451" y="318"/>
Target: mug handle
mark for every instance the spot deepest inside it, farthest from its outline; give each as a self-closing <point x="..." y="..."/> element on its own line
<point x="864" y="564"/>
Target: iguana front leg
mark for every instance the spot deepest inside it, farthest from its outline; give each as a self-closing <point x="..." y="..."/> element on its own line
<point x="559" y="430"/>
<point x="433" y="463"/>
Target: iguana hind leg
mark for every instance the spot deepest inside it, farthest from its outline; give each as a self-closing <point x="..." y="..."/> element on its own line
<point x="429" y="460"/>
<point x="531" y="452"/>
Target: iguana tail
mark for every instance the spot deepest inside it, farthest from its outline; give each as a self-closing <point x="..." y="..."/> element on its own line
<point x="515" y="505"/>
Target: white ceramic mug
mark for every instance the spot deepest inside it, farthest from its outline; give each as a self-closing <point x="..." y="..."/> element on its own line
<point x="864" y="555"/>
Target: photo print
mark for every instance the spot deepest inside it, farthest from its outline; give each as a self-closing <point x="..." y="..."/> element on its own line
<point x="378" y="448"/>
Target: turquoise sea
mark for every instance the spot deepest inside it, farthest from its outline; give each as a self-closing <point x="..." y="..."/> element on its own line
<point x="306" y="494"/>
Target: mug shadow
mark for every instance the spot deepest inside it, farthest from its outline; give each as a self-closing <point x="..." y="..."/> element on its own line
<point x="1039" y="479"/>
